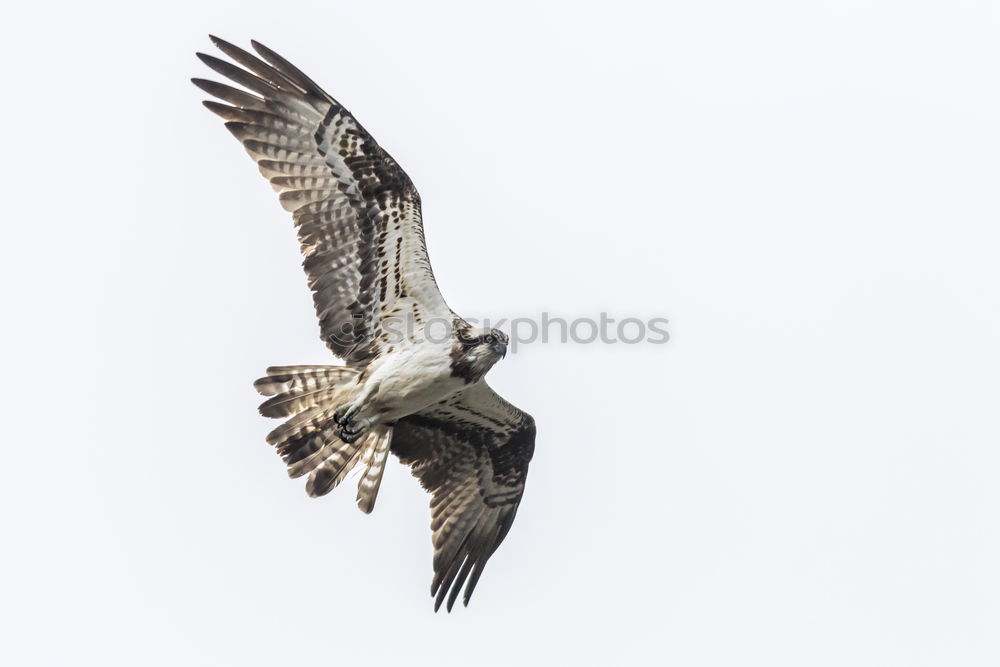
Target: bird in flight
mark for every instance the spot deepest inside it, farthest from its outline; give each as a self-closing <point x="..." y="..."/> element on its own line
<point x="422" y="397"/>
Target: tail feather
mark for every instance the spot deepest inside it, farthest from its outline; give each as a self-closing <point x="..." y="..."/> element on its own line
<point x="301" y="379"/>
<point x="300" y="454"/>
<point x="308" y="443"/>
<point x="332" y="471"/>
<point x="376" y="450"/>
<point x="288" y="404"/>
<point x="302" y="424"/>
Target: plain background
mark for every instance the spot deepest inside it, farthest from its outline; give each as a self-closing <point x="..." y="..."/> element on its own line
<point x="805" y="475"/>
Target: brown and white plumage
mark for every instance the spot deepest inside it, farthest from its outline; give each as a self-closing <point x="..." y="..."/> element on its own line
<point x="359" y="224"/>
<point x="471" y="452"/>
<point x="356" y="211"/>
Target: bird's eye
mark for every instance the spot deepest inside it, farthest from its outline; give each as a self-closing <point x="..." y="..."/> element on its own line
<point x="491" y="339"/>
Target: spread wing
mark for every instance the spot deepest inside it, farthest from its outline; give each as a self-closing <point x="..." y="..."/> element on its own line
<point x="471" y="452"/>
<point x="356" y="211"/>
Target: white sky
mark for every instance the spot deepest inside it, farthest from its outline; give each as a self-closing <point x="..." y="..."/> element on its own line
<point x="805" y="475"/>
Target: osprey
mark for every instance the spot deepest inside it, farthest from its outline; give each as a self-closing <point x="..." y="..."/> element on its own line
<point x="420" y="396"/>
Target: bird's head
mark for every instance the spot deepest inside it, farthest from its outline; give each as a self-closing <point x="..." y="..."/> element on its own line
<point x="476" y="350"/>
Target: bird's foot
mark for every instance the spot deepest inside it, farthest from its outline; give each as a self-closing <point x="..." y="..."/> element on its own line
<point x="343" y="415"/>
<point x="352" y="430"/>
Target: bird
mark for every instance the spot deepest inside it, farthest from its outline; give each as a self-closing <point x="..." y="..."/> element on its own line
<point x="398" y="389"/>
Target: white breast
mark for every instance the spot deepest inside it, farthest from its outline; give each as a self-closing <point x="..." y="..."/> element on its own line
<point x="411" y="378"/>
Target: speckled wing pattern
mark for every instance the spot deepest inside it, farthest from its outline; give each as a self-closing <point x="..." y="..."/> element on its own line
<point x="471" y="452"/>
<point x="356" y="211"/>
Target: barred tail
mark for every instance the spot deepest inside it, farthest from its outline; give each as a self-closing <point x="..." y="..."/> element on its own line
<point x="308" y="441"/>
<point x="376" y="449"/>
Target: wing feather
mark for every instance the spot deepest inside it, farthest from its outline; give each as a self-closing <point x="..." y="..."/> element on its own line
<point x="356" y="211"/>
<point x="471" y="452"/>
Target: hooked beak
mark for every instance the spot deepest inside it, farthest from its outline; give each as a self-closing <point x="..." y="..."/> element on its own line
<point x="500" y="348"/>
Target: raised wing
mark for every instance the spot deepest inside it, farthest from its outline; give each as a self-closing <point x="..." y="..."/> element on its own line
<point x="471" y="452"/>
<point x="356" y="211"/>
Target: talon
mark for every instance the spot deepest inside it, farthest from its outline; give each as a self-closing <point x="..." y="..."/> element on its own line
<point x="351" y="431"/>
<point x="349" y="436"/>
<point x="342" y="415"/>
